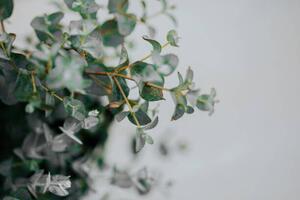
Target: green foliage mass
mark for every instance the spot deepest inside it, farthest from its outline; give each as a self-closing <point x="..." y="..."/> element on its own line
<point x="52" y="119"/>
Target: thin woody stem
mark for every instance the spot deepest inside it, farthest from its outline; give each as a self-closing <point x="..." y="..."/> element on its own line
<point x="33" y="82"/>
<point x="100" y="83"/>
<point x="150" y="54"/>
<point x="127" y="102"/>
<point x="52" y="93"/>
<point x="157" y="86"/>
<point x="110" y="74"/>
<point x="126" y="77"/>
<point x="143" y="59"/>
<point x="2" y="26"/>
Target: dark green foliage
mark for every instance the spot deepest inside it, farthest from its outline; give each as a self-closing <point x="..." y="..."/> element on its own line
<point x="47" y="27"/>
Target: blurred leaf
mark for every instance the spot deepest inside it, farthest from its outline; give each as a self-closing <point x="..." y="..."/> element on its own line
<point x="120" y="116"/>
<point x="75" y="108"/>
<point x="141" y="116"/>
<point x="21" y="193"/>
<point x="124" y="60"/>
<point x="139" y="140"/>
<point x="24" y="89"/>
<point x="167" y="64"/>
<point x="82" y="27"/>
<point x="91" y="44"/>
<point x="172" y="38"/>
<point x="93" y="113"/>
<point x="87" y="8"/>
<point x="144" y="182"/>
<point x="206" y="102"/>
<point x="101" y="85"/>
<point x="60" y="143"/>
<point x="59" y="184"/>
<point x="121" y="179"/>
<point x="86" y="37"/>
<point x="156" y="45"/>
<point x="149" y="139"/>
<point x="50" y="102"/>
<point x="56" y="184"/>
<point x="126" y="23"/>
<point x="180" y="78"/>
<point x="7" y="41"/>
<point x="110" y="34"/>
<point x="116" y="94"/>
<point x="70" y="134"/>
<point x="189" y="109"/>
<point x="152" y="125"/>
<point x="141" y="71"/>
<point x="192" y="96"/>
<point x="90" y="122"/>
<point x="179" y="111"/>
<point x="6" y="9"/>
<point x="5" y="167"/>
<point x="150" y="93"/>
<point x="144" y="106"/>
<point x="117" y="6"/>
<point x="7" y="87"/>
<point x="68" y="73"/>
<point x="172" y="18"/>
<point x="47" y="27"/>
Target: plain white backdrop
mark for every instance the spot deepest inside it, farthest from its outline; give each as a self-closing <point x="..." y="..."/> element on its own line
<point x="249" y="50"/>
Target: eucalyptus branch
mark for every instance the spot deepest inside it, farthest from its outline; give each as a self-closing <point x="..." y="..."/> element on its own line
<point x="100" y="83"/>
<point x="126" y="77"/>
<point x="127" y="102"/>
<point x="64" y="52"/>
<point x="52" y="93"/>
<point x="110" y="74"/>
<point x="33" y="82"/>
<point x="2" y="26"/>
<point x="143" y="59"/>
<point x="157" y="86"/>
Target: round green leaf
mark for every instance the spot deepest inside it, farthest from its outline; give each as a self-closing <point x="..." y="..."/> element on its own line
<point x="150" y="93"/>
<point x="126" y="23"/>
<point x="110" y="34"/>
<point x="172" y="38"/>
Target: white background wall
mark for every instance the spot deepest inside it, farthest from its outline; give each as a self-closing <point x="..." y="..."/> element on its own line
<point x="250" y="51"/>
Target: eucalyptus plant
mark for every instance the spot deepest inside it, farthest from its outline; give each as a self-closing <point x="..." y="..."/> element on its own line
<point x="60" y="95"/>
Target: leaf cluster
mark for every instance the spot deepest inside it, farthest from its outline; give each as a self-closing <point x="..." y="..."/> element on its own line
<point x="66" y="74"/>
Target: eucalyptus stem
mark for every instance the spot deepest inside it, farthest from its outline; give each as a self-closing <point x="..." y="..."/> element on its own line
<point x="100" y="83"/>
<point x="127" y="102"/>
<point x="33" y="82"/>
<point x="157" y="86"/>
<point x="110" y="74"/>
<point x="150" y="54"/>
<point x="52" y="93"/>
<point x="126" y="77"/>
<point x="2" y="26"/>
<point x="143" y="59"/>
